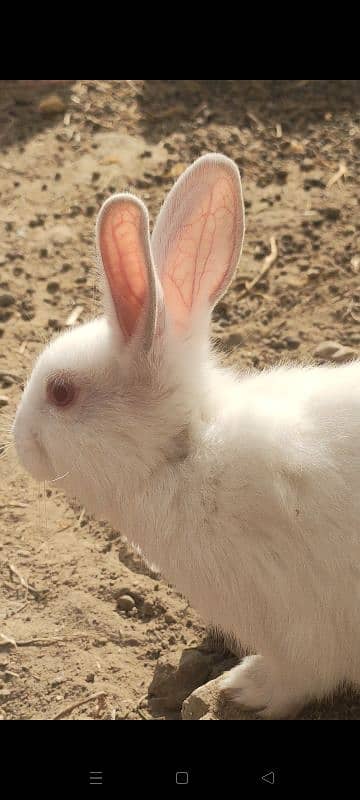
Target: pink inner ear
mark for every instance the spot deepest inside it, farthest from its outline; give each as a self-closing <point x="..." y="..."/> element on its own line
<point x="122" y="247"/>
<point x="197" y="243"/>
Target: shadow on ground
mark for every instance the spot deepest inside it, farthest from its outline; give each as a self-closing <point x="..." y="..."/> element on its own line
<point x="168" y="106"/>
<point x="20" y="117"/>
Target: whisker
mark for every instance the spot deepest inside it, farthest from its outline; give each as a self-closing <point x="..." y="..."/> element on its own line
<point x="4" y="449"/>
<point x="45" y="508"/>
<point x="39" y="506"/>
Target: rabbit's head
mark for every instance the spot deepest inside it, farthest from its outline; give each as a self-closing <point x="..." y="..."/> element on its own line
<point x="110" y="400"/>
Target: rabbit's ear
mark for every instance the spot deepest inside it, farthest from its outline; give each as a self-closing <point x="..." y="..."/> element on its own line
<point x="198" y="236"/>
<point x="123" y="245"/>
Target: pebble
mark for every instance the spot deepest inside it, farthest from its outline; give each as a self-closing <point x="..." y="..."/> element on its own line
<point x="52" y="287"/>
<point x="306" y="164"/>
<point x="222" y="308"/>
<point x="148" y="608"/>
<point x="177" y="674"/>
<point x="53" y="104"/>
<point x="3" y="401"/>
<point x="125" y="602"/>
<point x="5" y="315"/>
<point x="326" y="349"/>
<point x="58" y="681"/>
<point x="281" y="176"/>
<point x="6" y="300"/>
<point x="207" y="702"/>
<point x="331" y="213"/>
<point x="276" y="344"/>
<point x="313" y="183"/>
<point x="60" y="234"/>
<point x="54" y="324"/>
<point x="170" y="618"/>
<point x="232" y="339"/>
<point x="343" y="355"/>
<point x="292" y="343"/>
<point x="335" y="352"/>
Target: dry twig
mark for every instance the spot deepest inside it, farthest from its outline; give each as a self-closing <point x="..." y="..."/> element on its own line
<point x="54" y="640"/>
<point x="268" y="262"/>
<point x="341" y="172"/>
<point x="27" y="586"/>
<point x="78" y="703"/>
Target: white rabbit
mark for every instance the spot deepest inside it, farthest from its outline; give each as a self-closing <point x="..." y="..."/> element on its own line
<point x="244" y="490"/>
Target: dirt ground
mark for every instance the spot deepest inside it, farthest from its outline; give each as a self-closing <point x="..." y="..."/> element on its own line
<point x="64" y="636"/>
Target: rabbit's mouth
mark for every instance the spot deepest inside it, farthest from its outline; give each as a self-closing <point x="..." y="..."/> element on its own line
<point x="31" y="453"/>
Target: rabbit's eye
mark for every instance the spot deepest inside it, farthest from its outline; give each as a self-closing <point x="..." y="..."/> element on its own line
<point x="60" y="390"/>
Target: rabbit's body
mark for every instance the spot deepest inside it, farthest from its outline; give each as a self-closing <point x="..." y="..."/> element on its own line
<point x="243" y="491"/>
<point x="259" y="525"/>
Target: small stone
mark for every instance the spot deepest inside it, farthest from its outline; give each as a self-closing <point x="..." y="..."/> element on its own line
<point x="125" y="602"/>
<point x="281" y="176"/>
<point x="207" y="702"/>
<point x="330" y="213"/>
<point x="198" y="703"/>
<point x="313" y="273"/>
<point x="296" y="147"/>
<point x="58" y="680"/>
<point x="170" y="618"/>
<point x="307" y="164"/>
<point x="60" y="234"/>
<point x="326" y="349"/>
<point x="232" y="340"/>
<point x="177" y="675"/>
<point x="343" y="355"/>
<point x="222" y="308"/>
<point x="5" y="315"/>
<point x="3" y="401"/>
<point x="148" y="608"/>
<point x="53" y="286"/>
<point x="292" y="343"/>
<point x="53" y="104"/>
<point x="209" y="716"/>
<point x="54" y="324"/>
<point x="316" y="220"/>
<point x="313" y="183"/>
<point x="276" y="344"/>
<point x="90" y="678"/>
<point x="6" y="300"/>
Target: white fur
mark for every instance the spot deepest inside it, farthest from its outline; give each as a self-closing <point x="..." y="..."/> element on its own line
<point x="244" y="490"/>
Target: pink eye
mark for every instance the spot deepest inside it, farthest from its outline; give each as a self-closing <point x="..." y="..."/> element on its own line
<point x="60" y="391"/>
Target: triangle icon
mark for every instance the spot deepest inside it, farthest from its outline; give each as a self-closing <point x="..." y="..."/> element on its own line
<point x="269" y="777"/>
